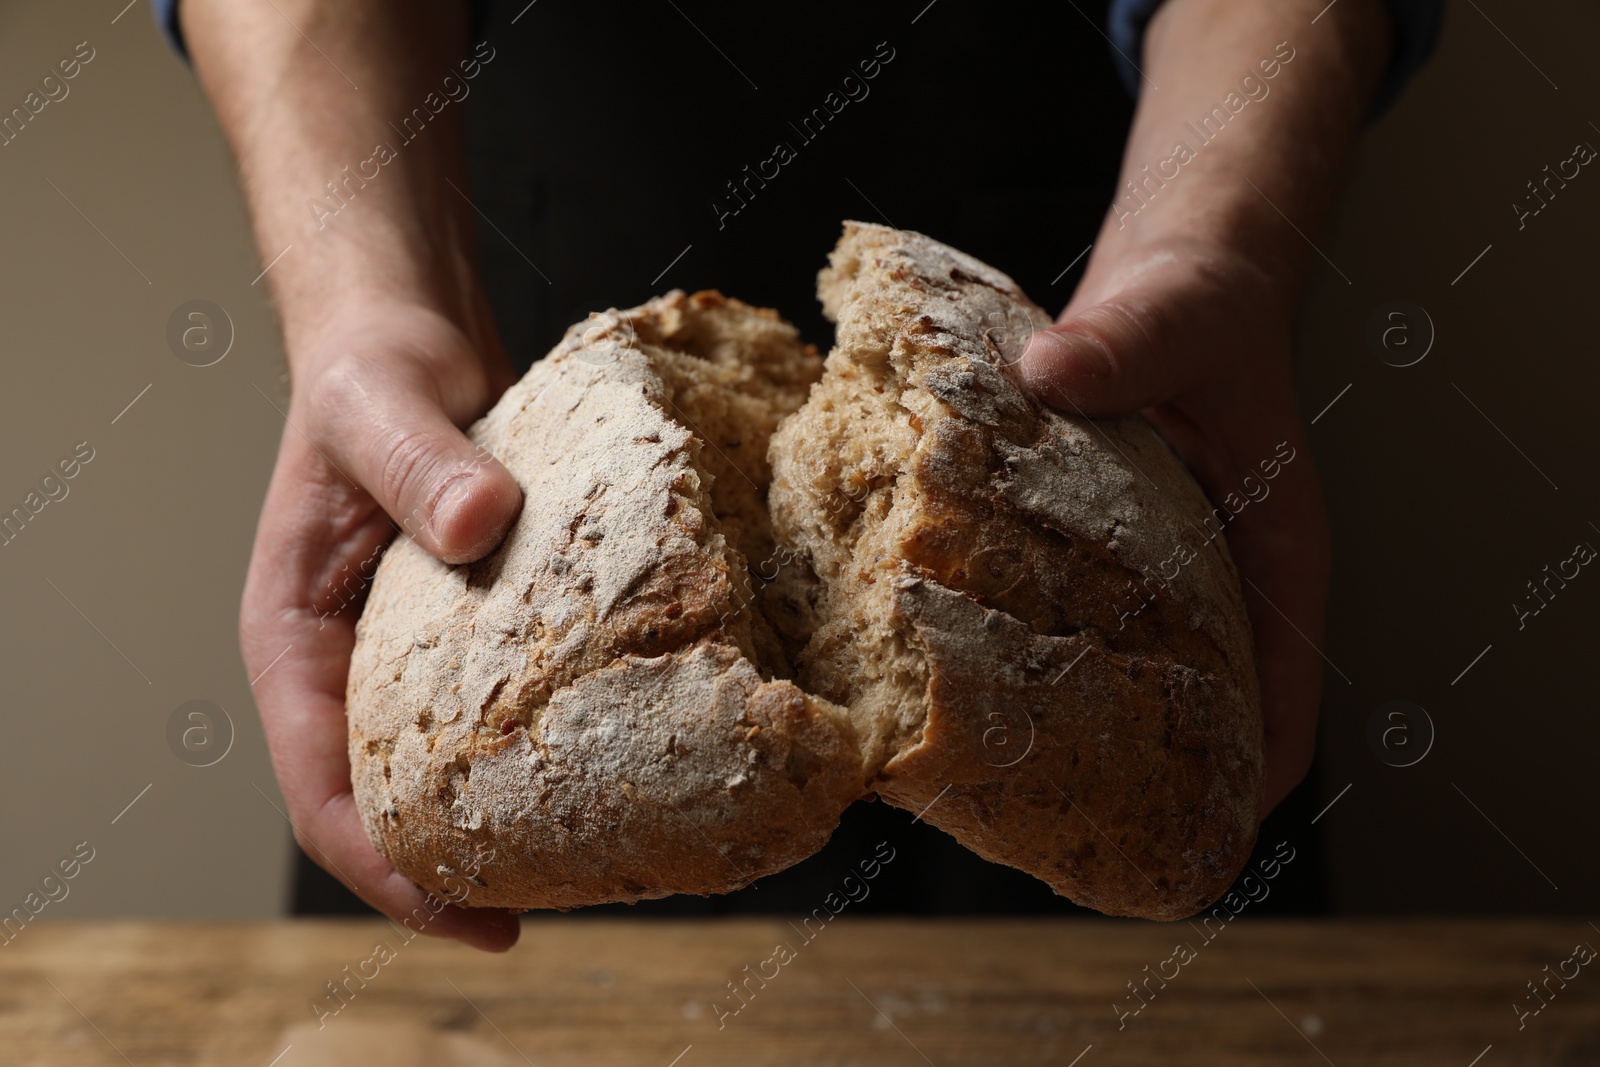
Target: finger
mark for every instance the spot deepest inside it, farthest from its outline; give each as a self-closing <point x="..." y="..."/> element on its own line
<point x="1280" y="546"/>
<point x="384" y="425"/>
<point x="1278" y="539"/>
<point x="298" y="656"/>
<point x="1112" y="358"/>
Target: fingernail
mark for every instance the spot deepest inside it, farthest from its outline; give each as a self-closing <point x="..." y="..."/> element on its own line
<point x="449" y="504"/>
<point x="470" y="519"/>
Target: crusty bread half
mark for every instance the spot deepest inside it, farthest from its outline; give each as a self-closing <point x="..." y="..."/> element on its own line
<point x="981" y="601"/>
<point x="595" y="712"/>
<point x="746" y="590"/>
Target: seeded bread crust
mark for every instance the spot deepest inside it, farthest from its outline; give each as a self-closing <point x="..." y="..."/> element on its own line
<point x="982" y="605"/>
<point x="593" y="712"/>
<point x="724" y="616"/>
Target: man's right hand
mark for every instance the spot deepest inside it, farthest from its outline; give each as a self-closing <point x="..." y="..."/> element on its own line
<point x="372" y="436"/>
<point x="392" y="350"/>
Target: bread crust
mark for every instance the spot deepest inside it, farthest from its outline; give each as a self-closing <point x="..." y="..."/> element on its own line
<point x="1116" y="756"/>
<point x="952" y="607"/>
<point x="579" y="717"/>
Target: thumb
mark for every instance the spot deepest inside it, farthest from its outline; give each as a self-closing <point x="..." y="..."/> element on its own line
<point x="1109" y="359"/>
<point x="389" y="432"/>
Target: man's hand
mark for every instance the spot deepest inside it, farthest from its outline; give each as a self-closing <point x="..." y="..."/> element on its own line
<point x="1198" y="342"/>
<point x="392" y="349"/>
<point x="1185" y="311"/>
<point x="372" y="433"/>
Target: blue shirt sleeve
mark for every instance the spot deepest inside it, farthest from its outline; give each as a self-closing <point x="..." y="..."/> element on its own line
<point x="166" y="12"/>
<point x="1416" y="31"/>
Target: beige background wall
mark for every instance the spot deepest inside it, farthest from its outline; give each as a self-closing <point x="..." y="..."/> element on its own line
<point x="1439" y="520"/>
<point x="152" y="540"/>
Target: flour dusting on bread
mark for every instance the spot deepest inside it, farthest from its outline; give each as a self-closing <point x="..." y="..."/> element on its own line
<point x="748" y="589"/>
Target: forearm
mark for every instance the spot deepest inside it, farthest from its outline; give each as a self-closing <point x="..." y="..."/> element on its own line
<point x="363" y="223"/>
<point x="1255" y="114"/>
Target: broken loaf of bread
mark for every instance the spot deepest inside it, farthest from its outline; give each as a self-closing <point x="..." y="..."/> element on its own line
<point x="748" y="588"/>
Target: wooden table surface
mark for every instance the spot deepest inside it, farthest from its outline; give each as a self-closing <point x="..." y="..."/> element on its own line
<point x="878" y="992"/>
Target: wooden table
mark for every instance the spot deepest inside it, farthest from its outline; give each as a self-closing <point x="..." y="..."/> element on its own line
<point x="653" y="993"/>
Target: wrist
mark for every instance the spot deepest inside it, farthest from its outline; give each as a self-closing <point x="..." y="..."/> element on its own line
<point x="372" y="346"/>
<point x="374" y="272"/>
<point x="1217" y="265"/>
